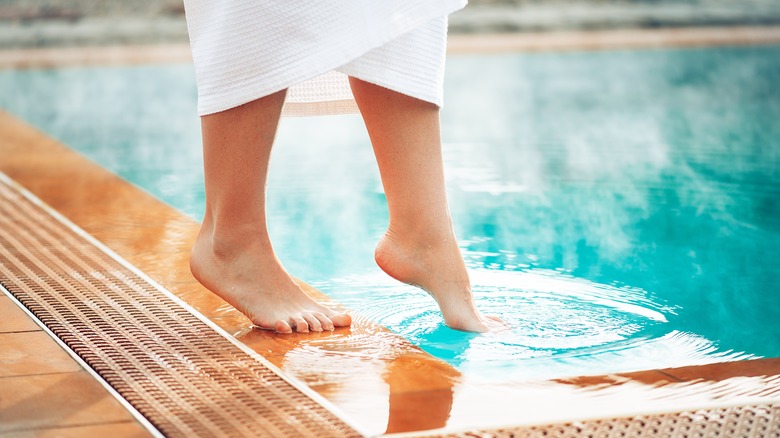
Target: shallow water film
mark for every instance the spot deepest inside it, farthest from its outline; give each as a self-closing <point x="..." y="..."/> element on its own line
<point x="619" y="209"/>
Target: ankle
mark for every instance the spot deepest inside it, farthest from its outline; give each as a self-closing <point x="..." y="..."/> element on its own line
<point x="421" y="238"/>
<point x="233" y="223"/>
<point x="226" y="243"/>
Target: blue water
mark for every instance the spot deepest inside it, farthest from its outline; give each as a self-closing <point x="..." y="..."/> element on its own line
<point x="619" y="209"/>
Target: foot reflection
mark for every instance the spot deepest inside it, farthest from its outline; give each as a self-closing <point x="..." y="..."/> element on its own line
<point x="421" y="394"/>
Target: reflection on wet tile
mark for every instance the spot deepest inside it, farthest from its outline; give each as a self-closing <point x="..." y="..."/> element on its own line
<point x="725" y="370"/>
<point x="421" y="394"/>
<point x="548" y="402"/>
<point x="51" y="400"/>
<point x="13" y="319"/>
<point x="372" y="375"/>
<point x="595" y="382"/>
<point x="27" y="353"/>
<point x="127" y="429"/>
<point x="418" y="411"/>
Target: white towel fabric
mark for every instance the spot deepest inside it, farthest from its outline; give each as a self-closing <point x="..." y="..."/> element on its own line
<point x="247" y="49"/>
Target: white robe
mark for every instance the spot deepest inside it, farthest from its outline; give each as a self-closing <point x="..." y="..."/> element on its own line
<point x="247" y="49"/>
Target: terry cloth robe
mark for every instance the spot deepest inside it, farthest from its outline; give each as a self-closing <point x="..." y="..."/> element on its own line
<point x="246" y="49"/>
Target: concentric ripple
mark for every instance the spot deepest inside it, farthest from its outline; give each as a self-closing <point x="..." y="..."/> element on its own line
<point x="560" y="325"/>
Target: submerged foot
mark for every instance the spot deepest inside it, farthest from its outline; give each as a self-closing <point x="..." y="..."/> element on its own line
<point x="437" y="267"/>
<point x="250" y="277"/>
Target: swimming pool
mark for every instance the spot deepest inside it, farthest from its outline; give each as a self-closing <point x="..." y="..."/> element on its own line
<point x="618" y="208"/>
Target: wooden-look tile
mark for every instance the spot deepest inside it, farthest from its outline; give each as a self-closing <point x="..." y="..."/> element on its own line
<point x="27" y="353"/>
<point x="712" y="372"/>
<point x="13" y="319"/>
<point x="56" y="400"/>
<point x="726" y="370"/>
<point x="125" y="429"/>
<point x="650" y="377"/>
<point x="417" y="411"/>
<point x="417" y="391"/>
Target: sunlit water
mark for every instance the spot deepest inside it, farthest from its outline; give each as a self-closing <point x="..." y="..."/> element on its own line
<point x="619" y="209"/>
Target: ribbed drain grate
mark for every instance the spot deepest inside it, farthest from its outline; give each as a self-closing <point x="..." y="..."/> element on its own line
<point x="183" y="376"/>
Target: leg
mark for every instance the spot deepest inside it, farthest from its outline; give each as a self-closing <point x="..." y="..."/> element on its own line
<point x="419" y="247"/>
<point x="233" y="256"/>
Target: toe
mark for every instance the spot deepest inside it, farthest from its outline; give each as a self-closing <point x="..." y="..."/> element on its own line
<point x="301" y="326"/>
<point x="495" y="323"/>
<point x="341" y="320"/>
<point x="314" y="323"/>
<point x="282" y="327"/>
<point x="325" y="322"/>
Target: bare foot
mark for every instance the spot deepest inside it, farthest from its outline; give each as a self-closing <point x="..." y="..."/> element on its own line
<point x="436" y="267"/>
<point x="248" y="275"/>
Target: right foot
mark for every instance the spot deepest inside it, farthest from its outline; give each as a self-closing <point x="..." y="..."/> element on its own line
<point x="250" y="278"/>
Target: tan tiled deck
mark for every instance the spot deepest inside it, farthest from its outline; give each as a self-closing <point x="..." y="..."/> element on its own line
<point x="44" y="392"/>
<point x="394" y="388"/>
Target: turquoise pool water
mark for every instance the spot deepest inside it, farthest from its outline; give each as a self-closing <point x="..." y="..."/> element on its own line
<point x="620" y="209"/>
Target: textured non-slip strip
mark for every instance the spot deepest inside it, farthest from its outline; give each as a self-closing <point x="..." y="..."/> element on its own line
<point x="732" y="422"/>
<point x="182" y="375"/>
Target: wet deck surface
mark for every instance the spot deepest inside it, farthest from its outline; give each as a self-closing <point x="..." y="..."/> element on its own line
<point x="371" y="374"/>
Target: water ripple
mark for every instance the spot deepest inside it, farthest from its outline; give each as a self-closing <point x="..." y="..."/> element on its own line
<point x="560" y="325"/>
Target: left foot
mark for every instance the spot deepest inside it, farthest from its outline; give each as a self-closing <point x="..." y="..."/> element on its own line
<point x="247" y="275"/>
<point x="437" y="267"/>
